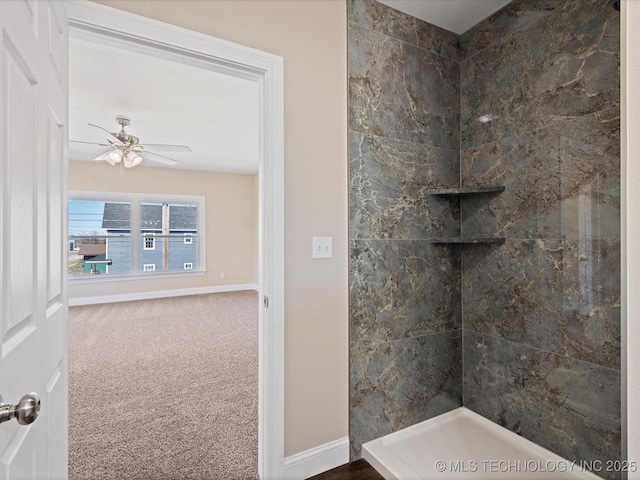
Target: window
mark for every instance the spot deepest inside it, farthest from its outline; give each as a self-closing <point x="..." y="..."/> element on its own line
<point x="149" y="241"/>
<point x="100" y="236"/>
<point x="117" y="234"/>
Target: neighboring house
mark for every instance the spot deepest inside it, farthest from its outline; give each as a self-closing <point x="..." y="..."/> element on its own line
<point x="94" y="258"/>
<point x="182" y="252"/>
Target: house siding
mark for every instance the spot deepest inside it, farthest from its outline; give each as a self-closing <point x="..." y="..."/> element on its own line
<point x="119" y="251"/>
<point x="183" y="219"/>
<point x="179" y="252"/>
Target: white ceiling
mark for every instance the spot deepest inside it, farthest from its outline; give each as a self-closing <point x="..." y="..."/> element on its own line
<point x="457" y="16"/>
<point x="216" y="115"/>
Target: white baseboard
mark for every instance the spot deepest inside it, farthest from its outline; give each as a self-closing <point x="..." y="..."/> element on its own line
<point x="317" y="460"/>
<point x="127" y="297"/>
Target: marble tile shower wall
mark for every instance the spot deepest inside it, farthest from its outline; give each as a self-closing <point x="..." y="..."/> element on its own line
<point x="541" y="313"/>
<point x="537" y="320"/>
<point x="405" y="318"/>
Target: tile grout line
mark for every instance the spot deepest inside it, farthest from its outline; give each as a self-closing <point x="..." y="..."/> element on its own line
<point x="567" y="357"/>
<point x="377" y="343"/>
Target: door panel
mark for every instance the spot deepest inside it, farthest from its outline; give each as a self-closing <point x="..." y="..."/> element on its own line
<point x="55" y="167"/>
<point x="19" y="458"/>
<point x="33" y="293"/>
<point x="55" y="400"/>
<point x="56" y="43"/>
<point x="21" y="145"/>
<point x="31" y="11"/>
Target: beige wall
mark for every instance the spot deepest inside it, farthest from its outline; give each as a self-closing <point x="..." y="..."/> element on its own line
<point x="311" y="37"/>
<point x="230" y="206"/>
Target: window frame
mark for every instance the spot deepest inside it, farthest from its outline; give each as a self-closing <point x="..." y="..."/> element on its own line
<point x="145" y="237"/>
<point x="136" y="236"/>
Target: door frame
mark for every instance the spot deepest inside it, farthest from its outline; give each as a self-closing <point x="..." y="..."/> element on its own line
<point x="106" y="25"/>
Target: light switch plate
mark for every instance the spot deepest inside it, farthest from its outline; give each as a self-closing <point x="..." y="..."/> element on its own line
<point x="322" y="247"/>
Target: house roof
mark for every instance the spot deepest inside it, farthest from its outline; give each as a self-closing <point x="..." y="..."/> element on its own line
<point x="117" y="217"/>
<point x="92" y="249"/>
<point x="99" y="259"/>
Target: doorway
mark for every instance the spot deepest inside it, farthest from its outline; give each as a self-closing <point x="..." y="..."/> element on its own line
<point x="108" y="26"/>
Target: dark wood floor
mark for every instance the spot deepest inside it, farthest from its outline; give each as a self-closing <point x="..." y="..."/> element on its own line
<point x="358" y="470"/>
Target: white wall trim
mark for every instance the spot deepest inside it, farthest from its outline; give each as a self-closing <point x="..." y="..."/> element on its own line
<point x="630" y="196"/>
<point x="128" y="297"/>
<point x="94" y="22"/>
<point x="317" y="460"/>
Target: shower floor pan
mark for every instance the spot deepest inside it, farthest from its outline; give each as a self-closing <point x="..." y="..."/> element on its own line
<point x="463" y="445"/>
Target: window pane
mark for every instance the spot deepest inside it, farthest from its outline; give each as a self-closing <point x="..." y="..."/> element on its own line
<point x="168" y="237"/>
<point x="99" y="240"/>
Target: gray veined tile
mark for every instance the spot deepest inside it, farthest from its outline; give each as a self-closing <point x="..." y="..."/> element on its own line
<point x="560" y="182"/>
<point x="400" y="91"/>
<point x="397" y="384"/>
<point x="542" y="311"/>
<point x="557" y="295"/>
<point x="401" y="289"/>
<point x="565" y="65"/>
<point x="509" y="291"/>
<point x="388" y="189"/>
<point x="589" y="149"/>
<point x="376" y="16"/>
<point x="529" y="168"/>
<point x="516" y="16"/>
<point x="569" y="407"/>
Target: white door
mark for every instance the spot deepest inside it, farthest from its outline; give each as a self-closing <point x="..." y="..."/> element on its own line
<point x="33" y="294"/>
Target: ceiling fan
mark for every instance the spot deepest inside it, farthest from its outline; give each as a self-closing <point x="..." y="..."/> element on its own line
<point x="125" y="149"/>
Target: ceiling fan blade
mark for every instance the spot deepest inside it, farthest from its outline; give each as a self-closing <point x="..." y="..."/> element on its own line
<point x="154" y="157"/>
<point x="163" y="147"/>
<point x="110" y="136"/>
<point x="90" y="143"/>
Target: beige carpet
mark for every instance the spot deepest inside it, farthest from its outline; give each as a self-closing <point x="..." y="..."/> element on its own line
<point x="164" y="389"/>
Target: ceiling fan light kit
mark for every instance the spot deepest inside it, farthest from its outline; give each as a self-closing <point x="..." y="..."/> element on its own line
<point x="131" y="159"/>
<point x="125" y="149"/>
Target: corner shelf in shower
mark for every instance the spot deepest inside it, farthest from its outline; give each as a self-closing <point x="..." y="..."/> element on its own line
<point x="469" y="240"/>
<point x="464" y="191"/>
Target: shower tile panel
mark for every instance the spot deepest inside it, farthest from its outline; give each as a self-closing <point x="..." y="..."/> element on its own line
<point x="529" y="168"/>
<point x="567" y="406"/>
<point x="590" y="308"/>
<point x="517" y="15"/>
<point x="388" y="191"/>
<point x="404" y="122"/>
<point x="542" y="311"/>
<point x="509" y="291"/>
<point x="559" y="296"/>
<point x="561" y="182"/>
<point x="393" y="23"/>
<point x="400" y="383"/>
<point x="401" y="91"/>
<point x="564" y="65"/>
<point x="401" y="289"/>
<point x="589" y="149"/>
